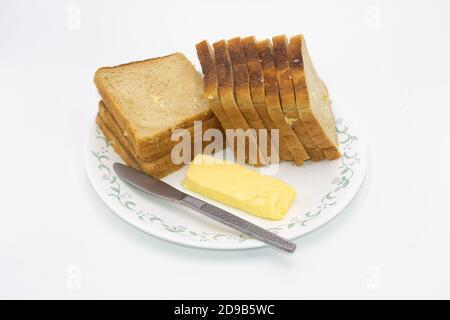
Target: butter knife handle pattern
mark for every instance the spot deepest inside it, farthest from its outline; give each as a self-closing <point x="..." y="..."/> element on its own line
<point x="240" y="224"/>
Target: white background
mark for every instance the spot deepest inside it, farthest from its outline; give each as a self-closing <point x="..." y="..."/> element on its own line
<point x="387" y="62"/>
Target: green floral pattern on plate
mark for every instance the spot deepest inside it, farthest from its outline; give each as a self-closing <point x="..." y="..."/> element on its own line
<point x="348" y="162"/>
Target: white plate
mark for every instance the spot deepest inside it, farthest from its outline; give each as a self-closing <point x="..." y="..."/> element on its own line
<point x="324" y="189"/>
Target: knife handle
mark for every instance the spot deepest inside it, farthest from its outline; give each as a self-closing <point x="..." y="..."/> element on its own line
<point x="238" y="223"/>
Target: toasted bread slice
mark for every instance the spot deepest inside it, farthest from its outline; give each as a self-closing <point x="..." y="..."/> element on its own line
<point x="243" y="95"/>
<point x="287" y="96"/>
<point x="205" y="55"/>
<point x="163" y="147"/>
<point x="297" y="150"/>
<point x="225" y="80"/>
<point x="257" y="91"/>
<point x="150" y="98"/>
<point x="312" y="98"/>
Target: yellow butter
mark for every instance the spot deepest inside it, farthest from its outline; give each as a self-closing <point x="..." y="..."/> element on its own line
<point x="239" y="187"/>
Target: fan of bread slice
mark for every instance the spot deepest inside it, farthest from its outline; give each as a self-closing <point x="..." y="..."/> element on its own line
<point x="270" y="85"/>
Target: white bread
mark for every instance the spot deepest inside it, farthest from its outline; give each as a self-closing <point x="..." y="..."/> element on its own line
<point x="312" y="98"/>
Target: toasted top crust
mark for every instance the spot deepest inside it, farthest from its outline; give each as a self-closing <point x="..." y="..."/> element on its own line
<point x="151" y="97"/>
<point x="312" y="97"/>
<point x="299" y="154"/>
<point x="210" y="84"/>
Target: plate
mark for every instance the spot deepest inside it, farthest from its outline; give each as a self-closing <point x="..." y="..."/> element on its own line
<point x="323" y="188"/>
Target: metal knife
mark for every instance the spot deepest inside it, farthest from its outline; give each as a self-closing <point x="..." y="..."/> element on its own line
<point x="162" y="190"/>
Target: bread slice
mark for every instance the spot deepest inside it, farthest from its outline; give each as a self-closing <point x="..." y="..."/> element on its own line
<point x="205" y="55"/>
<point x="297" y="150"/>
<point x="225" y="81"/>
<point x="256" y="78"/>
<point x="312" y="98"/>
<point x="287" y="96"/>
<point x="150" y="98"/>
<point x="163" y="147"/>
<point x="242" y="92"/>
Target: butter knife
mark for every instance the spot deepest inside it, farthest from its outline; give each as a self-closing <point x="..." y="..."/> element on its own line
<point x="165" y="191"/>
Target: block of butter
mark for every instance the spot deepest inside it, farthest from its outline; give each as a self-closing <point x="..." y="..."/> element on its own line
<point x="239" y="187"/>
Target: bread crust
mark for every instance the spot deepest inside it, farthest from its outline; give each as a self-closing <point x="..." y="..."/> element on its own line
<point x="297" y="50"/>
<point x="296" y="149"/>
<point x="256" y="78"/>
<point x="242" y="90"/>
<point x="142" y="145"/>
<point x="162" y="148"/>
<point x="287" y="96"/>
<point x="225" y="80"/>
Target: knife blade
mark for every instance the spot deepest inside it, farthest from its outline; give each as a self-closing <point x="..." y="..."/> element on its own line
<point x="165" y="191"/>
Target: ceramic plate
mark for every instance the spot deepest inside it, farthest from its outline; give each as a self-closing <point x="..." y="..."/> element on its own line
<point x="324" y="189"/>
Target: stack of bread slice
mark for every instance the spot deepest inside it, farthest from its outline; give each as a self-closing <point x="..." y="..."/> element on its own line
<point x="271" y="85"/>
<point x="144" y="102"/>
